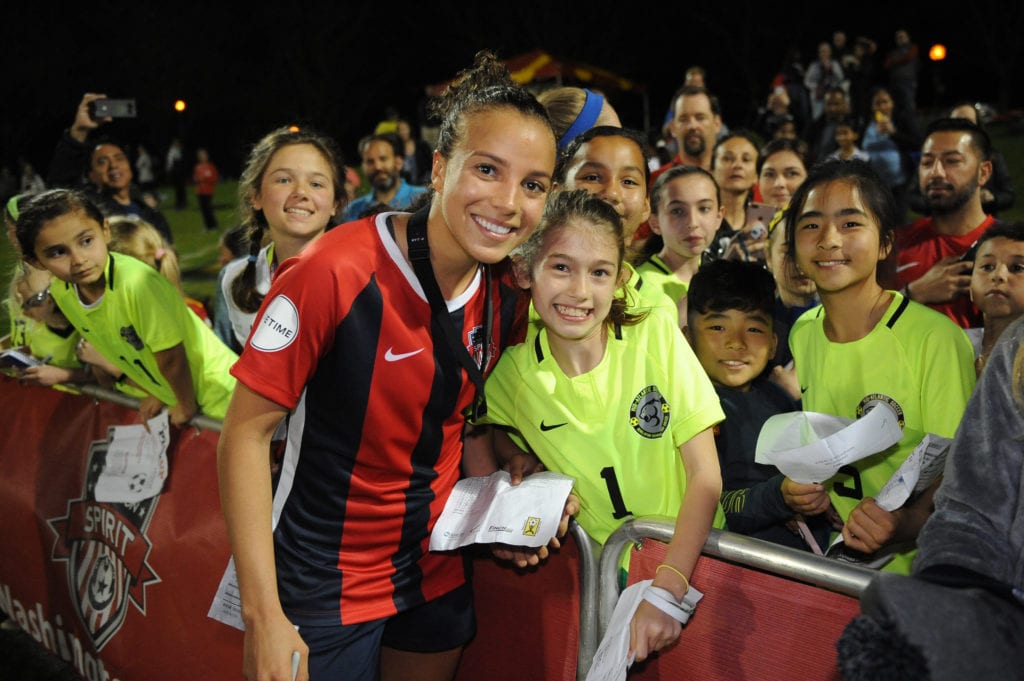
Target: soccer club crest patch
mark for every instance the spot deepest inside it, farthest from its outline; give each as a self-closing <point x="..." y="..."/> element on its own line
<point x="869" y="401"/>
<point x="106" y="549"/>
<point x="649" y="413"/>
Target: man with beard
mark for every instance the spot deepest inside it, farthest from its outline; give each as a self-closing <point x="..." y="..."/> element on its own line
<point x="106" y="167"/>
<point x="820" y="134"/>
<point x="935" y="254"/>
<point x="695" y="125"/>
<point x="382" y="164"/>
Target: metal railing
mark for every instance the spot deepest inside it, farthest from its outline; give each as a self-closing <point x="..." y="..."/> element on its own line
<point x="599" y="568"/>
<point x="784" y="561"/>
<point x="100" y="393"/>
<point x="590" y="583"/>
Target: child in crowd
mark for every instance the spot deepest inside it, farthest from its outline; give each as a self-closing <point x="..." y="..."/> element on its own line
<point x="865" y="344"/>
<point x="729" y="325"/>
<point x="33" y="318"/>
<point x="846" y="140"/>
<point x="686" y="212"/>
<point x="124" y="308"/>
<point x="794" y="294"/>
<point x="141" y="240"/>
<point x="786" y="130"/>
<point x="997" y="285"/>
<point x="36" y="325"/>
<point x="234" y="244"/>
<point x="575" y="109"/>
<point x="609" y="161"/>
<point x="612" y="398"/>
<point x="289" y="193"/>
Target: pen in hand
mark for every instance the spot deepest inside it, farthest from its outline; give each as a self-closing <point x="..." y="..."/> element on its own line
<point x="295" y="664"/>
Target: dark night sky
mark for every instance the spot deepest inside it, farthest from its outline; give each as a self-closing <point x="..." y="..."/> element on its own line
<point x="338" y="65"/>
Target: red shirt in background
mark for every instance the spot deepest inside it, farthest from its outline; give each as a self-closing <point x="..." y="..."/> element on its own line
<point x="919" y="247"/>
<point x="205" y="177"/>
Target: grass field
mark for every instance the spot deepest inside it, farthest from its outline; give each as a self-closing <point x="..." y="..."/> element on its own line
<point x="198" y="249"/>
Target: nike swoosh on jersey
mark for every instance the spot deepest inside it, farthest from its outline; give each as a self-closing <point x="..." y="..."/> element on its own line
<point x="803" y="390"/>
<point x="545" y="427"/>
<point x="907" y="266"/>
<point x="393" y="356"/>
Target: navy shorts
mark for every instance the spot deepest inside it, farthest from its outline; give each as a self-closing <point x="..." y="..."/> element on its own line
<point x="353" y="651"/>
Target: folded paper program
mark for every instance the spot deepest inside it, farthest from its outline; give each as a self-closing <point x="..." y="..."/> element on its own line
<point x="811" y="447"/>
<point x="490" y="509"/>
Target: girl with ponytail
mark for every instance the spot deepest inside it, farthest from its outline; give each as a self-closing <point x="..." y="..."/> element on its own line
<point x="289" y="192"/>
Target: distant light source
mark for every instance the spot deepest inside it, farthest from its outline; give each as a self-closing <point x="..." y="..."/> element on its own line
<point x="179" y="105"/>
<point x="293" y="128"/>
<point x="937" y="52"/>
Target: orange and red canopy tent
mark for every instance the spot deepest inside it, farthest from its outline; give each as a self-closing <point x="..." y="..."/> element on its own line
<point x="540" y="66"/>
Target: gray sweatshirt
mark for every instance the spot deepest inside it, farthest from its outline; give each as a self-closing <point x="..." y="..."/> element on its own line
<point x="978" y="521"/>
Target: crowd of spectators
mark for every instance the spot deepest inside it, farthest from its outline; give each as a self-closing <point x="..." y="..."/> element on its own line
<point x="841" y="232"/>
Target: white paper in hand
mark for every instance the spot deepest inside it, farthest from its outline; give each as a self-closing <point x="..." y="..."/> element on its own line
<point x="612" y="660"/>
<point x="811" y="447"/>
<point x="916" y="473"/>
<point x="487" y="510"/>
<point x="227" y="602"/>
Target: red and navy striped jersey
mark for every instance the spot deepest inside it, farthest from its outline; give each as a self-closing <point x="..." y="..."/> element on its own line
<point x="344" y="340"/>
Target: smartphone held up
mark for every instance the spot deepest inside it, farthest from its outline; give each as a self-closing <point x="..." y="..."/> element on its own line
<point x="112" y="108"/>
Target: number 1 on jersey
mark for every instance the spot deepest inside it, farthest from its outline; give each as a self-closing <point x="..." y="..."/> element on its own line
<point x="615" y="493"/>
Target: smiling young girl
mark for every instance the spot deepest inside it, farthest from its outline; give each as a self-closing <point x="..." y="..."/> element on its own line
<point x="613" y="398"/>
<point x="609" y="162"/>
<point x="290" y="189"/>
<point x="351" y="344"/>
<point x="865" y="344"/>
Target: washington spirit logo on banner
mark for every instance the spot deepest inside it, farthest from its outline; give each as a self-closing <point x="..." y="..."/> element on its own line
<point x="105" y="547"/>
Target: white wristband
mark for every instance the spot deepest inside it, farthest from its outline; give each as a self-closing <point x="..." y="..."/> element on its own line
<point x="664" y="600"/>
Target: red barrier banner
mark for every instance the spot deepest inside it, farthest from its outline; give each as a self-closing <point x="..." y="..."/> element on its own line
<point x="120" y="591"/>
<point x="749" y="625"/>
<point x="528" y="620"/>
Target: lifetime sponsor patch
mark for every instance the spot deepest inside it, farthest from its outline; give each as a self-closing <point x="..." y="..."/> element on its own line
<point x="649" y="413"/>
<point x="278" y="327"/>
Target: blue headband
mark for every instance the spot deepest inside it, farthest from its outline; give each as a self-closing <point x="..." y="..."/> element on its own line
<point x="585" y="120"/>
